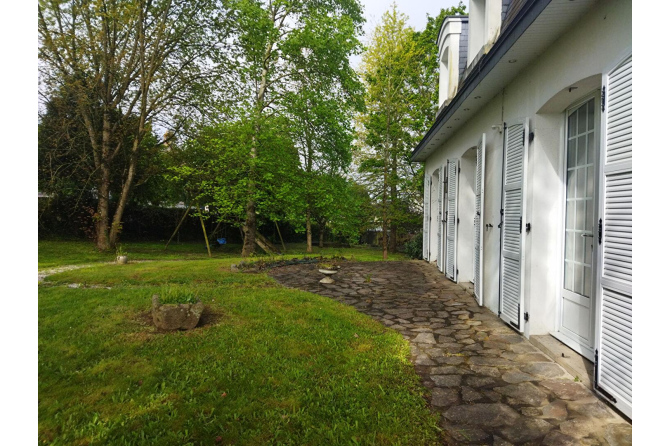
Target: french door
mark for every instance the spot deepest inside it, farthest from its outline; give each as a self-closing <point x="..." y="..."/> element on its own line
<point x="577" y="319"/>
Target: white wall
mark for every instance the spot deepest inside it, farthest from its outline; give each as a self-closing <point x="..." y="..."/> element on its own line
<point x="540" y="93"/>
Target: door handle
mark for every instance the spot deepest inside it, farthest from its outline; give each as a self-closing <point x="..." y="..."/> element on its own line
<point x="587" y="235"/>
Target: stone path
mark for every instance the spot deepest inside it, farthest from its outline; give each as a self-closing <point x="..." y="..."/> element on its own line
<point x="490" y="385"/>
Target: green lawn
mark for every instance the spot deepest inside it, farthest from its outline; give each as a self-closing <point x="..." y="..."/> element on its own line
<point x="276" y="366"/>
<point x="53" y="253"/>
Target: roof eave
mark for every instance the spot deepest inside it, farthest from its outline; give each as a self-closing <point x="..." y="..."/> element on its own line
<point x="518" y="25"/>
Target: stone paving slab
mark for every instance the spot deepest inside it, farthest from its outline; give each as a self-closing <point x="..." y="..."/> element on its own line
<point x="487" y="382"/>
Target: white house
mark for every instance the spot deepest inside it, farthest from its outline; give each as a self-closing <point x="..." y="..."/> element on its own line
<point x="528" y="187"/>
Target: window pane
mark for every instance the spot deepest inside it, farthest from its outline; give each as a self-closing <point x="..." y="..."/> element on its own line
<point x="579" y="279"/>
<point x="572" y="182"/>
<point x="570" y="219"/>
<point x="572" y="155"/>
<point x="589" y="115"/>
<point x="590" y="148"/>
<point x="581" y="182"/>
<point x="588" y="251"/>
<point x="580" y="212"/>
<point x="569" y="245"/>
<point x="581" y="150"/>
<point x="579" y="247"/>
<point x="572" y="124"/>
<point x="581" y="119"/>
<point x="589" y="216"/>
<point x="589" y="181"/>
<point x="587" y="281"/>
<point x="567" y="282"/>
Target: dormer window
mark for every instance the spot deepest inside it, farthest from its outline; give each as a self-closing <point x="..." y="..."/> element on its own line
<point x="452" y="44"/>
<point x="485" y="19"/>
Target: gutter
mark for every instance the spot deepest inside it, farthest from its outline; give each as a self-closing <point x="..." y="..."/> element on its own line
<point x="518" y="25"/>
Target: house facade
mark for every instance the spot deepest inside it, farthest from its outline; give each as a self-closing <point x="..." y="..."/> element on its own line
<point x="528" y="173"/>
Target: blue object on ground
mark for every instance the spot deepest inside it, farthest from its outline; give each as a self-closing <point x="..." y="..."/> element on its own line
<point x="222" y="241"/>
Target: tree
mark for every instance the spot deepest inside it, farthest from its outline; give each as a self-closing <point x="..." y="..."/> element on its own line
<point x="400" y="71"/>
<point x="389" y="70"/>
<point x="129" y="65"/>
<point x="323" y="134"/>
<point x="284" y="46"/>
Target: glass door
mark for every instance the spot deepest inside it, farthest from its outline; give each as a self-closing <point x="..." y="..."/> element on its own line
<point x="577" y="308"/>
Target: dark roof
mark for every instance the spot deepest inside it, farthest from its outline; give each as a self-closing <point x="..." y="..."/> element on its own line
<point x="520" y="14"/>
<point x="510" y="8"/>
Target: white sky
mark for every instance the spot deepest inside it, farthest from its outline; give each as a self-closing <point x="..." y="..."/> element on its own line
<point x="416" y="10"/>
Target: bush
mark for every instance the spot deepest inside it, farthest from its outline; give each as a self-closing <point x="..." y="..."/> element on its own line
<point x="414" y="248"/>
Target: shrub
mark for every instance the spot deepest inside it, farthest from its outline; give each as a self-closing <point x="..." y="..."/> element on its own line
<point x="414" y="247"/>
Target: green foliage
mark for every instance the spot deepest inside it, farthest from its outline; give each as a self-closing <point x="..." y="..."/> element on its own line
<point x="175" y="294"/>
<point x="390" y="70"/>
<point x="414" y="248"/>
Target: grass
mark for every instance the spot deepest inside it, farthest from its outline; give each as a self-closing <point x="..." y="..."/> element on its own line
<point x="279" y="366"/>
<point x="54" y="253"/>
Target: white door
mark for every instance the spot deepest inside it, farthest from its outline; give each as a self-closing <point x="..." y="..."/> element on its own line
<point x="440" y="218"/>
<point x="479" y="217"/>
<point x="513" y="234"/>
<point x="451" y="219"/>
<point x="577" y="320"/>
<point x="426" y="216"/>
<point x="614" y="346"/>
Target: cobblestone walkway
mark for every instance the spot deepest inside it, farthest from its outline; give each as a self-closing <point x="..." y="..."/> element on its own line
<point x="490" y="385"/>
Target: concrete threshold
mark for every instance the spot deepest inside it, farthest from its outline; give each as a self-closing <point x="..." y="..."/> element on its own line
<point x="574" y="363"/>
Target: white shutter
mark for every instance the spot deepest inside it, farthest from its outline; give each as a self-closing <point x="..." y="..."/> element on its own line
<point x="479" y="217"/>
<point x="513" y="237"/>
<point x="426" y="215"/>
<point x="451" y="218"/>
<point x="614" y="349"/>
<point x="440" y="225"/>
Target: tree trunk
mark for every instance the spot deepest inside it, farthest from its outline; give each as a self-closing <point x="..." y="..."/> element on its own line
<point x="249" y="246"/>
<point x="125" y="192"/>
<point x="394" y="205"/>
<point x="321" y="231"/>
<point x="102" y="235"/>
<point x="102" y="224"/>
<point x="308" y="225"/>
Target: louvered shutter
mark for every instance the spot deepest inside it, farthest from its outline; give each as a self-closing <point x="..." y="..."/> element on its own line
<point x="440" y="226"/>
<point x="614" y="354"/>
<point x="479" y="217"/>
<point x="513" y="236"/>
<point x="452" y="220"/>
<point x="426" y="215"/>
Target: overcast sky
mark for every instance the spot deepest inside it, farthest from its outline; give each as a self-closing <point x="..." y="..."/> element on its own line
<point x="416" y="10"/>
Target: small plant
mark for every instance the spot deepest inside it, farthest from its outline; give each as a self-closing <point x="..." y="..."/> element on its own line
<point x="120" y="251"/>
<point x="328" y="266"/>
<point x="577" y="379"/>
<point x="177" y="295"/>
<point x="368" y="278"/>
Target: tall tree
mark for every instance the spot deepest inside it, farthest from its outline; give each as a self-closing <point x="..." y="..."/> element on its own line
<point x="117" y="59"/>
<point x="323" y="134"/>
<point x="389" y="70"/>
<point x="400" y="70"/>
<point x="283" y="46"/>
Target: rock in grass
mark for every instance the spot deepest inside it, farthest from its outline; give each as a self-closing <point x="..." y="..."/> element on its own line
<point x="175" y="317"/>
